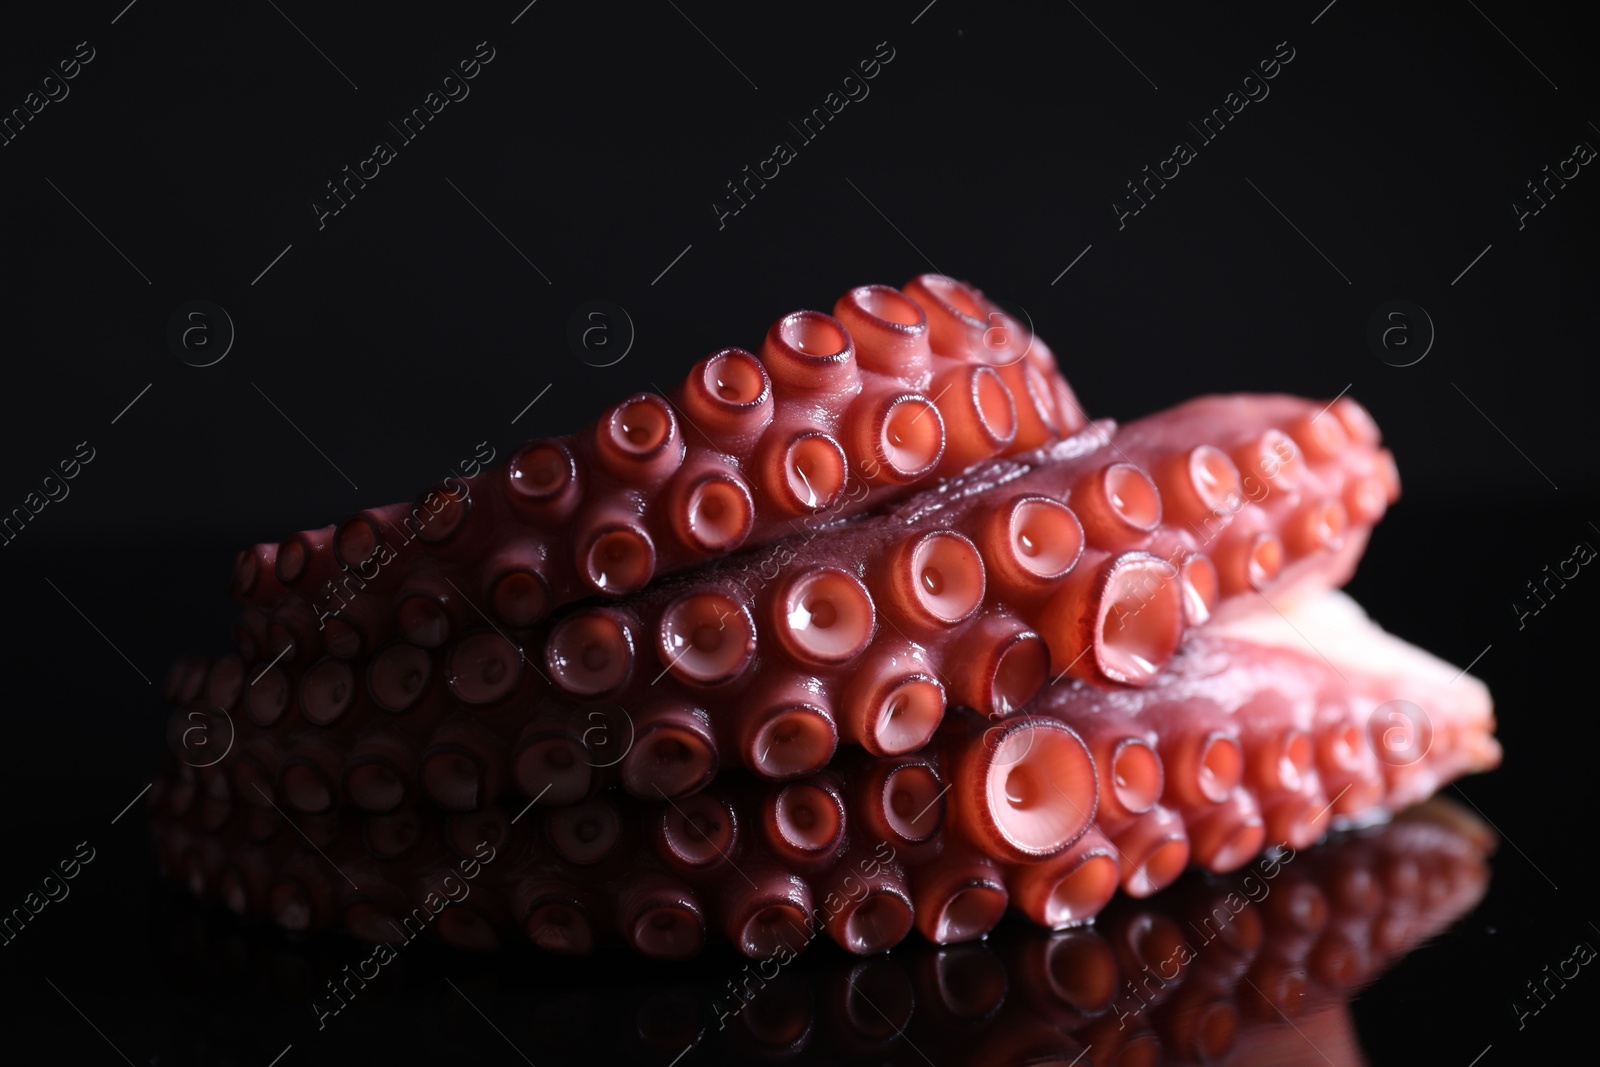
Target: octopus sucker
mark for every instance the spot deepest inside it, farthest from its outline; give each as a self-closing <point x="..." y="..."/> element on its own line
<point x="868" y="632"/>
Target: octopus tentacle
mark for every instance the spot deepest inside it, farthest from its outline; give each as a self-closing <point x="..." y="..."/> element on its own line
<point x="973" y="594"/>
<point x="1047" y="812"/>
<point x="593" y="884"/>
<point x="867" y="631"/>
<point x="835" y="415"/>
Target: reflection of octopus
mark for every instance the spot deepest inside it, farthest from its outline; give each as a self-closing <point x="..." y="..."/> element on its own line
<point x="1061" y="656"/>
<point x="1242" y="968"/>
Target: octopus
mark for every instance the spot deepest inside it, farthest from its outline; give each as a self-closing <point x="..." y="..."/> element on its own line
<point x="870" y="631"/>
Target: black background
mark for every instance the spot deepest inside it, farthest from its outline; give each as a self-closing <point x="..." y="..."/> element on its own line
<point x="408" y="329"/>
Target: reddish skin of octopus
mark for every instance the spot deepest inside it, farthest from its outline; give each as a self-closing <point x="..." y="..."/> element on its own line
<point x="1241" y="744"/>
<point x="973" y="593"/>
<point x="830" y="416"/>
<point x="1093" y="556"/>
<point x="620" y="871"/>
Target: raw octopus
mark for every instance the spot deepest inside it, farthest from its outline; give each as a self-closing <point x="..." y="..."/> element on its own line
<point x="875" y="632"/>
